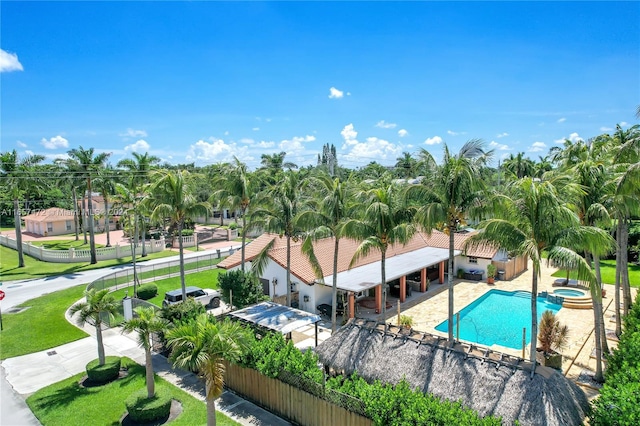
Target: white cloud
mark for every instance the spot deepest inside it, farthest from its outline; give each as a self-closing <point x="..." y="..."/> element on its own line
<point x="132" y="133"/>
<point x="255" y="129"/>
<point x="562" y="120"/>
<point x="266" y="144"/>
<point x="502" y="135"/>
<point x="54" y="157"/>
<point x="498" y="146"/>
<point x="295" y="144"/>
<point x="55" y="142"/>
<point x="573" y="137"/>
<point x="452" y="133"/>
<point x="605" y="129"/>
<point x="29" y="152"/>
<point x="433" y="141"/>
<point x="373" y="148"/>
<point x="384" y="125"/>
<point x="336" y="94"/>
<point x="402" y="133"/>
<point x="140" y="146"/>
<point x="349" y="134"/>
<point x="21" y="144"/>
<point x="537" y="147"/>
<point x="215" y="151"/>
<point x="9" y="62"/>
<point x="247" y="141"/>
<point x="624" y="124"/>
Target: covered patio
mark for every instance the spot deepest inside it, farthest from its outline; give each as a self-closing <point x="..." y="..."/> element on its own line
<point x="423" y="263"/>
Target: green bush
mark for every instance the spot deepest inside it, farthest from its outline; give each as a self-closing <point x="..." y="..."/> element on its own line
<point x="246" y="288"/>
<point x="147" y="291"/>
<point x="619" y="400"/>
<point x="187" y="232"/>
<point x="103" y="373"/>
<point x="183" y="311"/>
<point x="143" y="410"/>
<point x="233" y="226"/>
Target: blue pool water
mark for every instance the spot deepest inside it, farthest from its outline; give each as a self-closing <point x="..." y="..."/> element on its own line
<point x="569" y="293"/>
<point x="498" y="318"/>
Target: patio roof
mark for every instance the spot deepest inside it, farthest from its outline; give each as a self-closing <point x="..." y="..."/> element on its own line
<point x="368" y="276"/>
<point x="275" y="317"/>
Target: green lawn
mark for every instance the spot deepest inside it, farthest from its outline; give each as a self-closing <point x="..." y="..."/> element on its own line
<point x="64" y="244"/>
<point x="41" y="326"/>
<point x="35" y="268"/>
<point x="608" y="271"/>
<point x="204" y="279"/>
<point x="66" y="403"/>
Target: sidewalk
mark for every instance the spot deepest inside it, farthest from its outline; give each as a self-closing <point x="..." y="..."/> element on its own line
<point x="29" y="373"/>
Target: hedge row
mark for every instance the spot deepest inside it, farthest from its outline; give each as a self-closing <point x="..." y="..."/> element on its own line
<point x="619" y="400"/>
<point x="384" y="404"/>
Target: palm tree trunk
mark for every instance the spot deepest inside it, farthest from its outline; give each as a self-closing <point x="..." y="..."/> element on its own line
<point x="149" y="371"/>
<point x="18" y="228"/>
<point x="134" y="255"/>
<point x="75" y="212"/>
<point x="596" y="295"/>
<point x="450" y="284"/>
<point x="84" y="219"/>
<point x="616" y="296"/>
<point x="92" y="237"/>
<point x="334" y="288"/>
<point x="288" y="270"/>
<point x="106" y="219"/>
<point x="101" y="357"/>
<point x="534" y="318"/>
<point x="144" y="237"/>
<point x="244" y="237"/>
<point x="180" y="248"/>
<point x="600" y="322"/>
<point x="384" y="282"/>
<point x="624" y="271"/>
<point x="211" y="408"/>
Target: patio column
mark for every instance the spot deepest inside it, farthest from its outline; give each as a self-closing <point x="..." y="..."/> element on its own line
<point x="423" y="280"/>
<point x="352" y="304"/>
<point x="441" y="271"/>
<point x="403" y="288"/>
<point x="378" y="299"/>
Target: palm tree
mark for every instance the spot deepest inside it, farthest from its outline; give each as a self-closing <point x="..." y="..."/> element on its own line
<point x="324" y="218"/>
<point x="204" y="345"/>
<point x="69" y="175"/>
<point x="386" y="220"/>
<point x="279" y="213"/>
<point x="105" y="181"/>
<point x="88" y="166"/>
<point x="445" y="200"/>
<point x="406" y="165"/>
<point x="237" y="191"/>
<point x="174" y="199"/>
<point x="145" y="324"/>
<point x="128" y="200"/>
<point x="97" y="304"/>
<point x="519" y="166"/>
<point x="17" y="179"/>
<point x="535" y="219"/>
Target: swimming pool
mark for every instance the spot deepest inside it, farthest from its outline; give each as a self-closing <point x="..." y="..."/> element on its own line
<point x="569" y="293"/>
<point x="497" y="318"/>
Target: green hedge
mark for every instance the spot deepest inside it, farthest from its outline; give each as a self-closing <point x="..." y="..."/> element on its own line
<point x="143" y="410"/>
<point x="147" y="291"/>
<point x="619" y="400"/>
<point x="385" y="404"/>
<point x="103" y="373"/>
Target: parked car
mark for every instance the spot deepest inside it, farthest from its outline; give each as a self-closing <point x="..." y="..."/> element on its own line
<point x="208" y="297"/>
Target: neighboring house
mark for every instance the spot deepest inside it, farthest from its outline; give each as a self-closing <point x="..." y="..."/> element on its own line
<point x="53" y="221"/>
<point x="99" y="212"/>
<point x="422" y="260"/>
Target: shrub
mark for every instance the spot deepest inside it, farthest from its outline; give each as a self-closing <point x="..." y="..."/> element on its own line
<point x="406" y="321"/>
<point x="246" y="288"/>
<point x="143" y="410"/>
<point x="147" y="291"/>
<point x="103" y="373"/>
<point x="183" y="311"/>
<point x="233" y="226"/>
<point x="187" y="232"/>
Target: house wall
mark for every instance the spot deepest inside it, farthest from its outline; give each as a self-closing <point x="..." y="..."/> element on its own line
<point x="58" y="227"/>
<point x="463" y="262"/>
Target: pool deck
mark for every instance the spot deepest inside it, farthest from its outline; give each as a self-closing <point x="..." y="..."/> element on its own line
<point x="431" y="308"/>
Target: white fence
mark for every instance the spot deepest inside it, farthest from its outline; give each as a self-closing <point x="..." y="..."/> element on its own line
<point x="72" y="255"/>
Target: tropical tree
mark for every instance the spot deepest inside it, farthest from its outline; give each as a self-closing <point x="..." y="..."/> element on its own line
<point x="444" y="202"/>
<point x="325" y="216"/>
<point x="174" y="200"/>
<point x="237" y="189"/>
<point x="534" y="219"/>
<point x="105" y="182"/>
<point x="97" y="303"/>
<point x="279" y="214"/>
<point x="128" y="201"/>
<point x="17" y="179"/>
<point x="68" y="175"/>
<point x="406" y="165"/>
<point x="386" y="220"/>
<point x="204" y="345"/>
<point x="519" y="166"/>
<point x="88" y="166"/>
<point x="145" y="323"/>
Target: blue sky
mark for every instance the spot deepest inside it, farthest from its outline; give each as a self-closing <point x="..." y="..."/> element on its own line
<point x="203" y="81"/>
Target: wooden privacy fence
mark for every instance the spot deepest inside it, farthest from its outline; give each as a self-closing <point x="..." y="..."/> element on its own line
<point x="289" y="401"/>
<point x="512" y="267"/>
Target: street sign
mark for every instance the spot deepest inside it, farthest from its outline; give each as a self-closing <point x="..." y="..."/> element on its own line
<point x="1" y="294"/>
